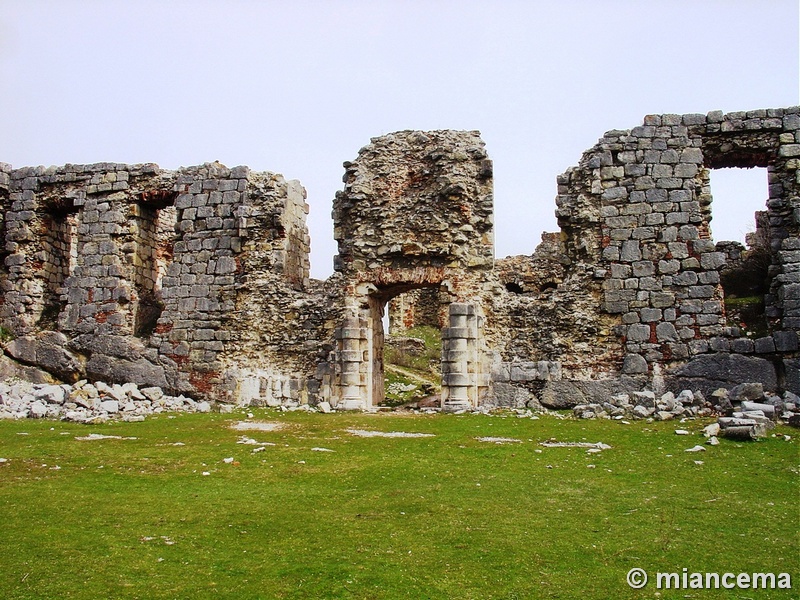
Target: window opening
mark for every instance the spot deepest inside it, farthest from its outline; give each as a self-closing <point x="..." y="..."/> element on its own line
<point x="59" y="245"/>
<point x="155" y="237"/>
<point x="741" y="231"/>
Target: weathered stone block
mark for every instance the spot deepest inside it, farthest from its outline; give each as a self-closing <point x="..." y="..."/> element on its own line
<point x="510" y="396"/>
<point x="650" y="315"/>
<point x="631" y="251"/>
<point x="634" y="364"/>
<point x="662" y="299"/>
<point x="666" y="332"/>
<point x="638" y="332"/>
<point x="711" y="371"/>
<point x="785" y="341"/>
<point x="764" y="345"/>
<point x="668" y="267"/>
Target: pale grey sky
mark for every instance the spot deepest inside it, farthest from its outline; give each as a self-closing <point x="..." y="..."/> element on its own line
<point x="297" y="86"/>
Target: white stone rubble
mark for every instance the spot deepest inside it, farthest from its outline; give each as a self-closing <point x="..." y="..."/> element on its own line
<point x="85" y="402"/>
<point x="745" y="401"/>
<point x="388" y="434"/>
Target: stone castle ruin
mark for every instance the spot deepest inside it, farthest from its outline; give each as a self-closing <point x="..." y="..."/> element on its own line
<point x="197" y="280"/>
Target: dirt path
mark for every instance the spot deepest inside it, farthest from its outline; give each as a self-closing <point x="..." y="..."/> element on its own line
<point x="412" y="375"/>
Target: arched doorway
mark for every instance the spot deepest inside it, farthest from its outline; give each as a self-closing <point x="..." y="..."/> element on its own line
<point x="379" y="301"/>
<point x="360" y="365"/>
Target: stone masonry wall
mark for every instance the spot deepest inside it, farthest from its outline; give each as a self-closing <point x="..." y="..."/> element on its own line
<point x="416" y="197"/>
<point x="129" y="272"/>
<point x="629" y="292"/>
<point x="197" y="280"/>
<point x="638" y="209"/>
<point x="416" y="212"/>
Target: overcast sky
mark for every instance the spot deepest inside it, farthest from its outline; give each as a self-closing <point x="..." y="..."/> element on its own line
<point x="297" y="87"/>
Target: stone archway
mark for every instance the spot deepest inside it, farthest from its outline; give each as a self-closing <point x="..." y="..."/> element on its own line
<point x="378" y="303"/>
<point x="360" y="369"/>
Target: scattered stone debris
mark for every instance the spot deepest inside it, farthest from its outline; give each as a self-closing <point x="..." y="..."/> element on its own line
<point x="596" y="445"/>
<point x="322" y="450"/>
<point x="168" y="541"/>
<point x="747" y="400"/>
<point x="499" y="440"/>
<point x="85" y="402"/>
<point x="251" y="442"/>
<point x="100" y="436"/>
<point x="387" y="434"/>
<point x="747" y="412"/>
<point x="256" y="426"/>
<point x="696" y="449"/>
<point x="645" y="405"/>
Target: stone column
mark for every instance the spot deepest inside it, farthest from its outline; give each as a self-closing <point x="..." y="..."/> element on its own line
<point x="351" y="366"/>
<point x="459" y="358"/>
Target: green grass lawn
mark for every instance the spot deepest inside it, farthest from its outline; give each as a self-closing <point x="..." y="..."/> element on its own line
<point x="431" y="517"/>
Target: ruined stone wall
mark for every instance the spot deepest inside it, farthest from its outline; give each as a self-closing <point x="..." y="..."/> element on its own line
<point x="416" y="308"/>
<point x="548" y="328"/>
<point x="416" y="212"/>
<point x="197" y="280"/>
<point x="637" y="209"/>
<point x="416" y="200"/>
<point x="133" y="273"/>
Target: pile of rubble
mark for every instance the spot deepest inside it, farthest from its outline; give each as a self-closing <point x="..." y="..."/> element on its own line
<point x="645" y="405"/>
<point x="747" y="412"/>
<point x="747" y="400"/>
<point x="85" y="402"/>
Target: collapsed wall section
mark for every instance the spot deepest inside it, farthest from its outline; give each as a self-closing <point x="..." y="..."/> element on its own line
<point x="548" y="330"/>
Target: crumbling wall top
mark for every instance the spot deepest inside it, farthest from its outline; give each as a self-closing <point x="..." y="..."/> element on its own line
<point x="416" y="199"/>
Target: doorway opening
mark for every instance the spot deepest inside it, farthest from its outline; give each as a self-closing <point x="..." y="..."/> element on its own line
<point x="407" y="346"/>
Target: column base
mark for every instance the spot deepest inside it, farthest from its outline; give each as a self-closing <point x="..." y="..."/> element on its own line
<point x="351" y="404"/>
<point x="452" y="406"/>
